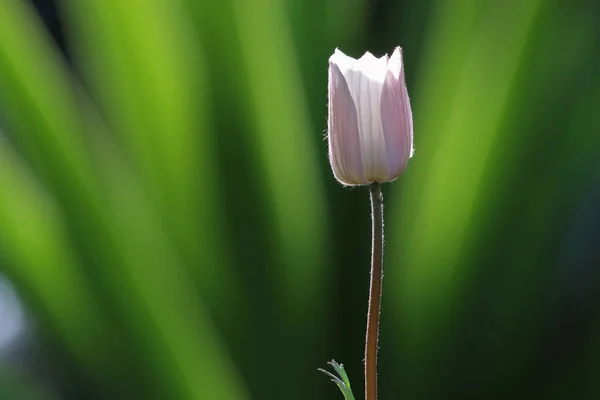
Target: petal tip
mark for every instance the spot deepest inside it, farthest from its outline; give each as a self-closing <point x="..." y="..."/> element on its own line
<point x="395" y="62"/>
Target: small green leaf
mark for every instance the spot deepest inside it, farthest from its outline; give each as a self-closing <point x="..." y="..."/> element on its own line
<point x="342" y="380"/>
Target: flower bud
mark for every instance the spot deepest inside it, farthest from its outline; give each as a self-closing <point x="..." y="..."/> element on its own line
<point x="370" y="127"/>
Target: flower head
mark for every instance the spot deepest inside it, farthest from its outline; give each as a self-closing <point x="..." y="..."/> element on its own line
<point x="370" y="120"/>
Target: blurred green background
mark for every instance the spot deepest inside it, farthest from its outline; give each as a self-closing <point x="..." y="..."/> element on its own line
<point x="170" y="227"/>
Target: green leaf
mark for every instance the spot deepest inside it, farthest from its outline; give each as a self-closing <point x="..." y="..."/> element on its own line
<point x="341" y="380"/>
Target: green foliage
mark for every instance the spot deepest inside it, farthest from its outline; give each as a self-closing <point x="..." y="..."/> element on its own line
<point x="341" y="379"/>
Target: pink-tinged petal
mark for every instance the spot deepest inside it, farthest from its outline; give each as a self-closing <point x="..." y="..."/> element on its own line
<point x="394" y="64"/>
<point x="366" y="94"/>
<point x="396" y="117"/>
<point x="344" y="141"/>
<point x="365" y="83"/>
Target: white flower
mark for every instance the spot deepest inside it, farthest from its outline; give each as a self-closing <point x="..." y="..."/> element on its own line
<point x="370" y="121"/>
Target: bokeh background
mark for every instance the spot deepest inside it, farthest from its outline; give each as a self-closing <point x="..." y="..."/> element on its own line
<point x="170" y="227"/>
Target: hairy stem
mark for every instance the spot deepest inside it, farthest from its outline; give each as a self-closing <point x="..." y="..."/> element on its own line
<point x="374" y="293"/>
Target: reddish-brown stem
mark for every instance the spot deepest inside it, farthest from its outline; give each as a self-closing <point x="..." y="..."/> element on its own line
<point x="374" y="293"/>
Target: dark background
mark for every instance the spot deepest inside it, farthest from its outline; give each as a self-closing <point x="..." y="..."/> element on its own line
<point x="170" y="227"/>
